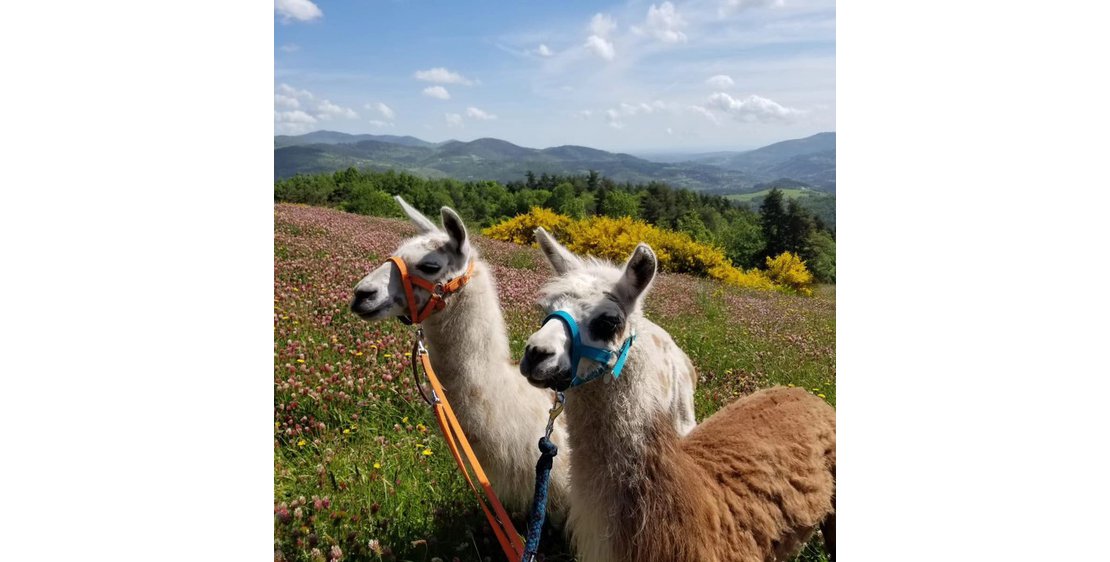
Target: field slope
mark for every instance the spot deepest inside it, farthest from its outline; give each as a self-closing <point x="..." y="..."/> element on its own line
<point x="360" y="471"/>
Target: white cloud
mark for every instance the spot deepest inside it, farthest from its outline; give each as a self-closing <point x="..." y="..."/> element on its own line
<point x="382" y="108"/>
<point x="751" y="108"/>
<point x="438" y="92"/>
<point x="327" y="110"/>
<point x="705" y="113"/>
<point x="727" y="7"/>
<point x="475" y="113"/>
<point x="601" y="47"/>
<point x="299" y="10"/>
<point x="617" y="115"/>
<point x="614" y="118"/>
<point x="290" y="47"/>
<point x="293" y="92"/>
<point x="543" y="51"/>
<point x="664" y="23"/>
<point x="453" y="119"/>
<point x="293" y="122"/>
<point x="297" y="116"/>
<point x="602" y="24"/>
<point x="720" y="81"/>
<point x="441" y="75"/>
<point x="286" y="102"/>
<point x="380" y="124"/>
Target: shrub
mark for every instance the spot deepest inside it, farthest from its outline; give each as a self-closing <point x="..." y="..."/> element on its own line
<point x="365" y="199"/>
<point x="820" y="256"/>
<point x="521" y="229"/>
<point x="789" y="270"/>
<point x="615" y="238"/>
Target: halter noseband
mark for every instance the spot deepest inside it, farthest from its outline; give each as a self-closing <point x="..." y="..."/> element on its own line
<point x="438" y="291"/>
<point x="578" y="350"/>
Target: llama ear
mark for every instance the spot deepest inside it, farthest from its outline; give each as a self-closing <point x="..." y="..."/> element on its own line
<point x="637" y="277"/>
<point x="455" y="228"/>
<point x="561" y="259"/>
<point x="416" y="217"/>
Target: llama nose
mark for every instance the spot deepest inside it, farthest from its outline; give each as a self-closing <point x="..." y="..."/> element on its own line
<point x="533" y="356"/>
<point x="365" y="294"/>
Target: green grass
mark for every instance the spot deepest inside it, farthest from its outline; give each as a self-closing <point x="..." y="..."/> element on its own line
<point x="379" y="459"/>
<point x="789" y="193"/>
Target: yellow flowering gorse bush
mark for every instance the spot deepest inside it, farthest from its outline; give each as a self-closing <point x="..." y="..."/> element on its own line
<point x="615" y="238"/>
<point x="789" y="270"/>
<point x="519" y="229"/>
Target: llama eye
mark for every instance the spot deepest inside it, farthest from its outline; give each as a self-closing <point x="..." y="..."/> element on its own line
<point x="429" y="268"/>
<point x="604" y="327"/>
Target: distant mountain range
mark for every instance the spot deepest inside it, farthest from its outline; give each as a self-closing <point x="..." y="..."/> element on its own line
<point x="810" y="161"/>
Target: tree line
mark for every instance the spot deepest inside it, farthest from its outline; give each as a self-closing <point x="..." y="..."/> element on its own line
<point x="747" y="236"/>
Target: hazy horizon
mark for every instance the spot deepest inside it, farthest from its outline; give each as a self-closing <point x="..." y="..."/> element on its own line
<point x="659" y="151"/>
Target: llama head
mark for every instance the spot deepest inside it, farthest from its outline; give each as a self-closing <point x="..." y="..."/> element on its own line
<point x="434" y="254"/>
<point x="604" y="300"/>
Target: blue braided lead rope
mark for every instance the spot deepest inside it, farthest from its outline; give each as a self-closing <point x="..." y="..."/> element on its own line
<point x="548" y="450"/>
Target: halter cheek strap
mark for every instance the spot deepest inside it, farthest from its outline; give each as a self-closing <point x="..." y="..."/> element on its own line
<point x="578" y="350"/>
<point x="438" y="290"/>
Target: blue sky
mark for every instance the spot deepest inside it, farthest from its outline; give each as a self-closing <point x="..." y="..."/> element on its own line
<point x="635" y="76"/>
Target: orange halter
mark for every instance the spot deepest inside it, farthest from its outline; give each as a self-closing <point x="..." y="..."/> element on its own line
<point x="437" y="290"/>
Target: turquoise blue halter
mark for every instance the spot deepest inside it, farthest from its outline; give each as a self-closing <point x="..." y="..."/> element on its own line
<point x="578" y="350"/>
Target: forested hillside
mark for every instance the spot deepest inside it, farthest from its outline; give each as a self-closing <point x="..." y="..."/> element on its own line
<point x="747" y="236"/>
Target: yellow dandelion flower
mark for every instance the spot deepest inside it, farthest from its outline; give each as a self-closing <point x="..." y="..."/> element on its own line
<point x="301" y="443"/>
<point x="346" y="432"/>
<point x="421" y="427"/>
<point x="377" y="465"/>
<point x="277" y="424"/>
<point x="408" y="354"/>
<point x="427" y="452"/>
<point x="790" y="385"/>
<point x="300" y="360"/>
<point x="358" y="354"/>
<point x="405" y="419"/>
<point x="387" y="355"/>
<point x="816" y="389"/>
<point x="820" y="395"/>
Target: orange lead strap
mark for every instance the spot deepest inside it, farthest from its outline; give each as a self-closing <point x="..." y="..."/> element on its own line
<point x="499" y="520"/>
<point x="511" y="543"/>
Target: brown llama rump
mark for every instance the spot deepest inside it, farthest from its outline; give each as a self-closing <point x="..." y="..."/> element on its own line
<point x="751" y="483"/>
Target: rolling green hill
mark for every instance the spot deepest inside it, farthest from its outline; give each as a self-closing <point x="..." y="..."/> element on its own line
<point x="806" y="160"/>
<point x="811" y="160"/>
<point x="822" y="205"/>
<point x="494" y="159"/>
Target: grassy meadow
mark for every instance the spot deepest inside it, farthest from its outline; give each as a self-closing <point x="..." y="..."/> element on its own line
<point x="787" y="193"/>
<point x="360" y="470"/>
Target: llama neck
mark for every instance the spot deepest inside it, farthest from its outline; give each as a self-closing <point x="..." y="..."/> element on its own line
<point x="467" y="341"/>
<point x="620" y="431"/>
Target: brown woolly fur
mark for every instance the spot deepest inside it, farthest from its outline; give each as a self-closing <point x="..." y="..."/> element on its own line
<point x="751" y="483"/>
